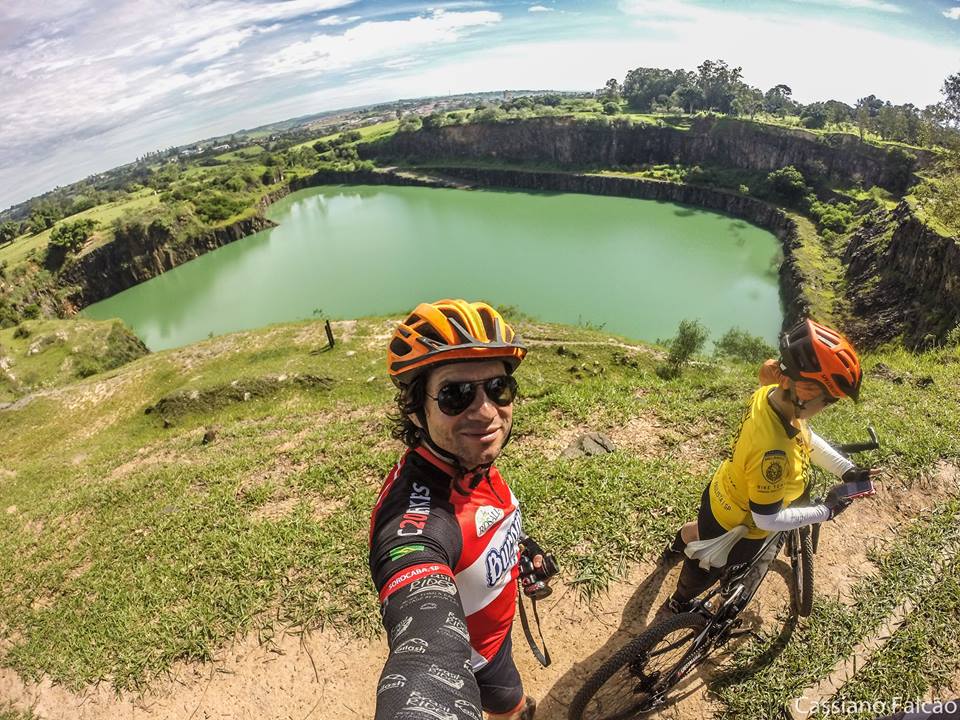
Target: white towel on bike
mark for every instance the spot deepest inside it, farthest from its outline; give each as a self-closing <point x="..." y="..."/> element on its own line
<point x="713" y="553"/>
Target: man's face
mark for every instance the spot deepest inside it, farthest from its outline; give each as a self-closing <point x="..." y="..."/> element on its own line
<point x="476" y="435"/>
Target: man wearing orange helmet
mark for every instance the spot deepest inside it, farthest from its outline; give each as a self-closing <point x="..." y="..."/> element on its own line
<point x="445" y="533"/>
<point x="755" y="486"/>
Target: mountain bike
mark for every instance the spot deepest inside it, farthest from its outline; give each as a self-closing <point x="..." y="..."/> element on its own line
<point x="639" y="677"/>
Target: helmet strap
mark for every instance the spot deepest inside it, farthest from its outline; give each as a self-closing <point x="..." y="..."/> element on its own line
<point x="475" y="475"/>
<point x="798" y="404"/>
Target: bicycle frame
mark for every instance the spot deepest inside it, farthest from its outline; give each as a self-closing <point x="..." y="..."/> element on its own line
<point x="737" y="588"/>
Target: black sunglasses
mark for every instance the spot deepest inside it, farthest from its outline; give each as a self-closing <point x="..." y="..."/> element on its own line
<point x="454" y="398"/>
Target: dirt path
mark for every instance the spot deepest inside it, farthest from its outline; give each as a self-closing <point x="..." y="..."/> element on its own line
<point x="323" y="676"/>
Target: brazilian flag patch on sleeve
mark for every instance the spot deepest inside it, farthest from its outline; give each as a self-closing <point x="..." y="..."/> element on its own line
<point x="774" y="465"/>
<point x="398" y="552"/>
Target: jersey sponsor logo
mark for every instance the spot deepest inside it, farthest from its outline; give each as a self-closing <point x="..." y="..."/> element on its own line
<point x="418" y="510"/>
<point x="455" y="624"/>
<point x="391" y="682"/>
<point x="774" y="465"/>
<point x="413" y="645"/>
<point x="486" y="517"/>
<point x="502" y="559"/>
<point x="469" y="709"/>
<point x="440" y="583"/>
<point x="446" y="677"/>
<point x="399" y="629"/>
<point x="427" y="706"/>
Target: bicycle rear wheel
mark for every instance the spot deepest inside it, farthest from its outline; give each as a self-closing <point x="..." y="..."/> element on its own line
<point x="631" y="683"/>
<point x="801" y="564"/>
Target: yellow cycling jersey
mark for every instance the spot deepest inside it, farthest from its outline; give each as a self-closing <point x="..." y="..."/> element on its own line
<point x="767" y="469"/>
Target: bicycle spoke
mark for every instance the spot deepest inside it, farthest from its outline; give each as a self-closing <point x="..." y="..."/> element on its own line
<point x="640" y="685"/>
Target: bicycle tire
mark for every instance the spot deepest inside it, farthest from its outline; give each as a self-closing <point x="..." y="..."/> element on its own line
<point x="801" y="563"/>
<point x="626" y="701"/>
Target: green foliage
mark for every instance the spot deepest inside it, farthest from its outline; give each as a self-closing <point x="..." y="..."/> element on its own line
<point x="9" y="231"/>
<point x="21" y="332"/>
<point x="787" y="186"/>
<point x="739" y="344"/>
<point x="611" y="108"/>
<point x="690" y="338"/>
<point x="216" y="206"/>
<point x="411" y="123"/>
<point x="72" y="235"/>
<point x="643" y="86"/>
<point x="833" y="216"/>
<point x="489" y="114"/>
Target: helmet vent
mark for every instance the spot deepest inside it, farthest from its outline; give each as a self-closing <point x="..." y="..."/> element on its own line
<point x="489" y="324"/>
<point x="399" y="347"/>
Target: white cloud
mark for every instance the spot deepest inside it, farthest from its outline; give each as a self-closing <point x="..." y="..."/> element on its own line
<point x="539" y="8"/>
<point x="337" y="20"/>
<point x="214" y="47"/>
<point x="372" y="41"/>
<point x="953" y="13"/>
<point x="875" y="5"/>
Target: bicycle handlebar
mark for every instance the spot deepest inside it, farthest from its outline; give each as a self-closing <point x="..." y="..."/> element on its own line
<point x="850" y="448"/>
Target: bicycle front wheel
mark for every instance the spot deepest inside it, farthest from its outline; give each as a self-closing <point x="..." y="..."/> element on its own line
<point x="639" y="677"/>
<point x="801" y="562"/>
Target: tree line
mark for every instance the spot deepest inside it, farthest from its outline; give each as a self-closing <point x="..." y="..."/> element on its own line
<point x="717" y="87"/>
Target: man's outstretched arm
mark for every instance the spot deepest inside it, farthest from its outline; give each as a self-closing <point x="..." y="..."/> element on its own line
<point x="427" y="673"/>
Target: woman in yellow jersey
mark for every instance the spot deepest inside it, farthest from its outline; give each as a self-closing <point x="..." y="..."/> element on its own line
<point x="766" y="472"/>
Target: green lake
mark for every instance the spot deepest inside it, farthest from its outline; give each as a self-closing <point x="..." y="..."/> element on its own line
<point x="635" y="267"/>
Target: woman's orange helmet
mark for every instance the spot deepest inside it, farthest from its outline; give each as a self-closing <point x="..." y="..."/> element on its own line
<point x="813" y="352"/>
<point x="449" y="331"/>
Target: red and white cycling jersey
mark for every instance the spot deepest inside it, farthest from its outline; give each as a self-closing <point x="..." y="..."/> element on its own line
<point x="425" y="525"/>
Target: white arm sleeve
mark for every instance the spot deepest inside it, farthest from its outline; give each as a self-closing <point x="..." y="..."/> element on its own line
<point x="792" y="517"/>
<point x="823" y="455"/>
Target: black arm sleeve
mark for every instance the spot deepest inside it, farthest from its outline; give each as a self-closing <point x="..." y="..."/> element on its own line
<point x="428" y="671"/>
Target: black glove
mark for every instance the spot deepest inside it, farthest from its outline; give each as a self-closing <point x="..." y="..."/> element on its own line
<point x="835" y="502"/>
<point x="856" y="474"/>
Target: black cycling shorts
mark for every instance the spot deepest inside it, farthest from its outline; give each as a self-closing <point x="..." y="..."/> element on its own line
<point x="501" y="689"/>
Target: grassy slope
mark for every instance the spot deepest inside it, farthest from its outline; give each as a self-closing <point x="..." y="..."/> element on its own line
<point x="125" y="545"/>
<point x="18" y="250"/>
<point x="49" y="353"/>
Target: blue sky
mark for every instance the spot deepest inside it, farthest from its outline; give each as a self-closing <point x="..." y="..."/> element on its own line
<point x="86" y="85"/>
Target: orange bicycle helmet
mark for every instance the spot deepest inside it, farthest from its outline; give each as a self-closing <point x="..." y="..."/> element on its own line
<point x="813" y="352"/>
<point x="448" y="331"/>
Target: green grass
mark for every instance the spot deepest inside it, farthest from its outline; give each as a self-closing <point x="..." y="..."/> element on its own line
<point x="131" y="544"/>
<point x="244" y="153"/>
<point x="822" y="272"/>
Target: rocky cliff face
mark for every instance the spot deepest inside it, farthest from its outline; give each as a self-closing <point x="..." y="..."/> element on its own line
<point x="903" y="279"/>
<point x="723" y="142"/>
<point x="128" y="261"/>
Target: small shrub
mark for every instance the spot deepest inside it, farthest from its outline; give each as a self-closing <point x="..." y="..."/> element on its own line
<point x="953" y="337"/>
<point x="31" y="311"/>
<point x="21" y="332"/>
<point x="742" y="345"/>
<point x="690" y="338"/>
<point x="611" y="108"/>
<point x="744" y="190"/>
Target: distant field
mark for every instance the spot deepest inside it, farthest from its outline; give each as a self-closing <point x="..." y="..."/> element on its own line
<point x="241" y="154"/>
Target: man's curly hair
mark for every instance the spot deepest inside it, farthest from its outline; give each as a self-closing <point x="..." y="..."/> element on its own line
<point x="410" y="400"/>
